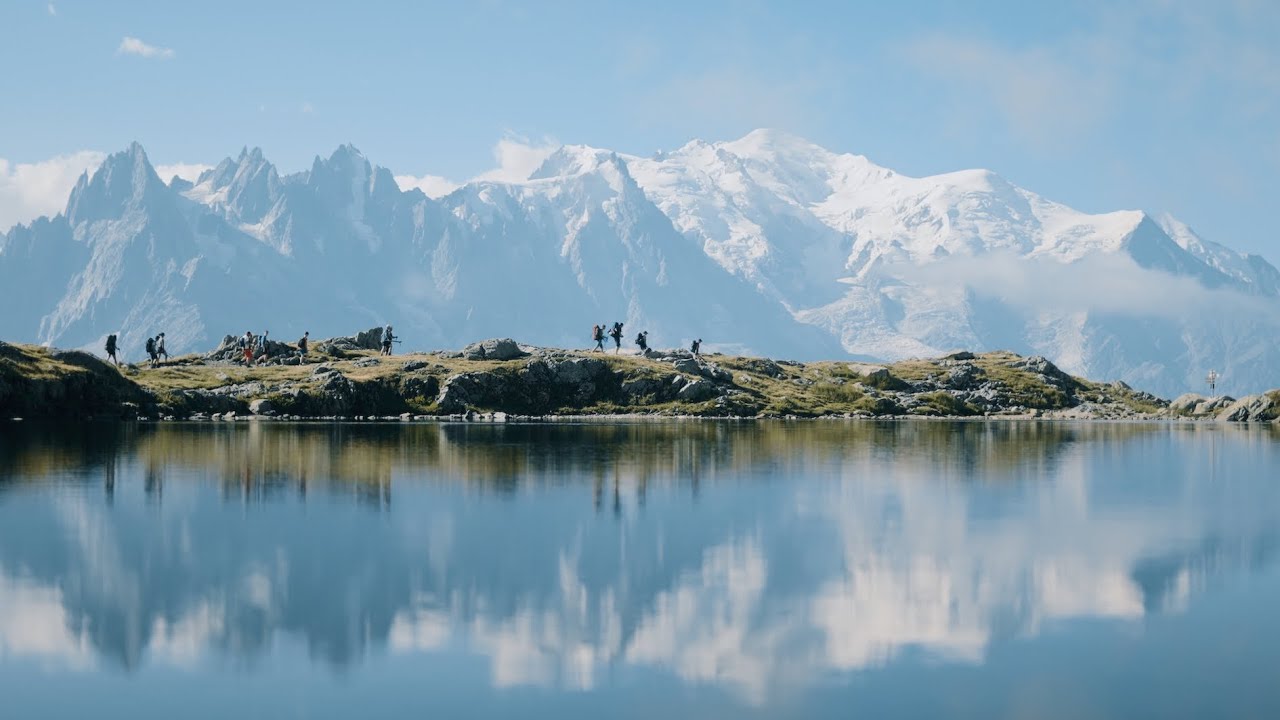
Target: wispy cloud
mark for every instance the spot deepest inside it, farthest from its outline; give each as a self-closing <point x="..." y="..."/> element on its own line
<point x="307" y="108"/>
<point x="186" y="171"/>
<point x="518" y="157"/>
<point x="29" y="190"/>
<point x="433" y="186"/>
<point x="134" y="46"/>
<point x="53" y="10"/>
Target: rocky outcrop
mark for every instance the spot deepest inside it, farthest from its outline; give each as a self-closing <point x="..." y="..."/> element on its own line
<point x="498" y="377"/>
<point x="40" y="383"/>
<point x="1253" y="408"/>
<point x="496" y="349"/>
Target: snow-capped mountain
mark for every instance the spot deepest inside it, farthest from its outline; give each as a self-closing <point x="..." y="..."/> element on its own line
<point x="766" y="244"/>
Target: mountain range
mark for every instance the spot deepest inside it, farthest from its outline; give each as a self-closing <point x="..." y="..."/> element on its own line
<point x="768" y="244"/>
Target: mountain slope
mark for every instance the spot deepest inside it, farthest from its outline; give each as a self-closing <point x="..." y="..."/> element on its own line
<point x="767" y="244"/>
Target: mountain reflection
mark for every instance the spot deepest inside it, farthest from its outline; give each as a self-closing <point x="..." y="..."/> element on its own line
<point x="751" y="556"/>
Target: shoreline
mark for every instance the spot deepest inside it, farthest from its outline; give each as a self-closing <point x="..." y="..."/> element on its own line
<point x="500" y="381"/>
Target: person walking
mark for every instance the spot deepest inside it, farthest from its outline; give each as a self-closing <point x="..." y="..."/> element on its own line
<point x="616" y="334"/>
<point x="597" y="334"/>
<point x="642" y="341"/>
<point x="696" y="348"/>
<point x="261" y="350"/>
<point x="160" y="351"/>
<point x="152" y="357"/>
<point x="246" y="342"/>
<point x="302" y="344"/>
<point x="387" y="338"/>
<point x="111" y="350"/>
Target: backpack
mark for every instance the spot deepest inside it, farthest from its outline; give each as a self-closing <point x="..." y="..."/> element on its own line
<point x="597" y="332"/>
<point x="111" y="343"/>
<point x="640" y="339"/>
<point x="151" y="345"/>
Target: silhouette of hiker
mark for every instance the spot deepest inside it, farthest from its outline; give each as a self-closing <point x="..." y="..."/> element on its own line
<point x="597" y="334"/>
<point x="302" y="344"/>
<point x="160" y="351"/>
<point x="696" y="347"/>
<point x="642" y="341"/>
<point x="153" y="358"/>
<point x="616" y="334"/>
<point x="387" y="338"/>
<point x="111" y="350"/>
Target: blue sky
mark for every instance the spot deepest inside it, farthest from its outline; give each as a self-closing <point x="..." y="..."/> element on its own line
<point x="1155" y="104"/>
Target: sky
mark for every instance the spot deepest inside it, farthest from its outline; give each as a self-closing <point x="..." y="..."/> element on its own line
<point x="1157" y="105"/>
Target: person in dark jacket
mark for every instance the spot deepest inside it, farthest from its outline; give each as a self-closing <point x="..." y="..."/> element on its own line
<point x="616" y="334"/>
<point x="111" y="350"/>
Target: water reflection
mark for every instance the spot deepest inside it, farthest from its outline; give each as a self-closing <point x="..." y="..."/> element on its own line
<point x="757" y="558"/>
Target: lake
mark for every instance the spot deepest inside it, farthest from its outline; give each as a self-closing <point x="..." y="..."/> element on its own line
<point x="639" y="570"/>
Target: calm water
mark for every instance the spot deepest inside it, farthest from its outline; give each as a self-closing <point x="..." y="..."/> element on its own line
<point x="640" y="570"/>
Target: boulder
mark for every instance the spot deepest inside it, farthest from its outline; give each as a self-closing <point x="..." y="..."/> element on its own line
<point x="262" y="406"/>
<point x="413" y="365"/>
<point x="495" y="349"/>
<point x="699" y="390"/>
<point x="963" y="376"/>
<point x="762" y="366"/>
<point x="1251" y="408"/>
<point x="1184" y="404"/>
<point x="366" y="362"/>
<point x="962" y="355"/>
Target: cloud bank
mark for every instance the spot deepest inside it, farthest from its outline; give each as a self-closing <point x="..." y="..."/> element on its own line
<point x="29" y="190"/>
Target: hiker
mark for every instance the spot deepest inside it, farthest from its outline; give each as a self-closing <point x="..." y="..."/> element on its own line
<point x="387" y="339"/>
<point x="151" y="351"/>
<point x="111" y="350"/>
<point x="246" y="344"/>
<point x="616" y="334"/>
<point x="302" y="344"/>
<point x="642" y="341"/>
<point x="597" y="334"/>
<point x="160" y="351"/>
<point x="696" y="347"/>
<point x="262" y="345"/>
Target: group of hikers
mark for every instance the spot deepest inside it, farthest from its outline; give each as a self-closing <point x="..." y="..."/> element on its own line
<point x="154" y="347"/>
<point x="599" y="332"/>
<point x="257" y="348"/>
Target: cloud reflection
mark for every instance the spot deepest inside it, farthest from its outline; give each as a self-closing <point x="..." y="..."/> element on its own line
<point x="735" y="562"/>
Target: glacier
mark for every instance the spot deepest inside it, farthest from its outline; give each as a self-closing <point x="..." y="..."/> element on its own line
<point x="768" y="244"/>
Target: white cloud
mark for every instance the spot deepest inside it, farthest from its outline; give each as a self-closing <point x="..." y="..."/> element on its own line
<point x="1099" y="283"/>
<point x="53" y="10"/>
<point x="517" y="158"/>
<point x="434" y="186"/>
<point x="307" y="108"/>
<point x="29" y="190"/>
<point x="134" y="46"/>
<point x="186" y="171"/>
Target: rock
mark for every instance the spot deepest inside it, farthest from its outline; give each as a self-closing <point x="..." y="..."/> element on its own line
<point x="424" y="386"/>
<point x="414" y="365"/>
<point x="963" y="376"/>
<point x="262" y="406"/>
<point x="962" y="355"/>
<point x="291" y="360"/>
<point x="366" y="362"/>
<point x="1047" y="370"/>
<point x="495" y="349"/>
<point x="762" y="366"/>
<point x="699" y="390"/>
<point x="1184" y="404"/>
<point x="1212" y="405"/>
<point x="1251" y="408"/>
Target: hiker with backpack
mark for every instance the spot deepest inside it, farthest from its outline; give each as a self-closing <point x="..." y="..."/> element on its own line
<point x="642" y="341"/>
<point x="302" y="345"/>
<point x="160" y="351"/>
<point x="246" y="348"/>
<point x="616" y="334"/>
<point x="262" y="346"/>
<point x="597" y="334"/>
<point x="153" y="358"/>
<point x="387" y="339"/>
<point x="111" y="350"/>
<point x="696" y="348"/>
